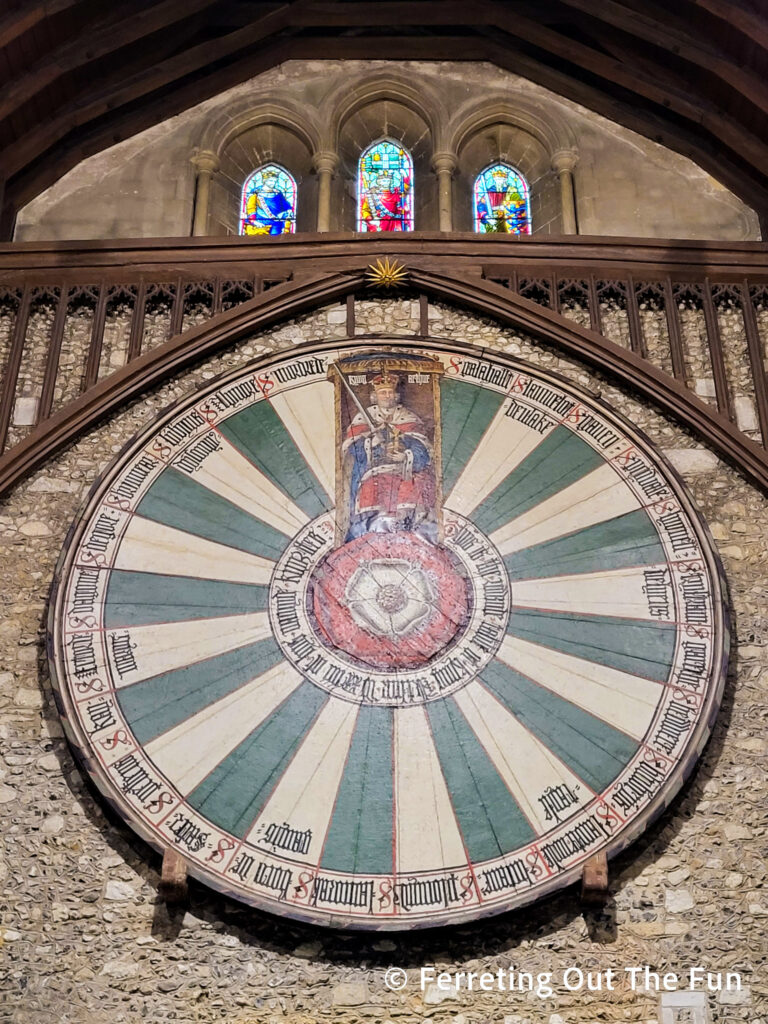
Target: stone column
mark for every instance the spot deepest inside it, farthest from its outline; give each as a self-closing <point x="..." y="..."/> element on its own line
<point x="206" y="163"/>
<point x="444" y="164"/>
<point x="563" y="163"/>
<point x="325" y="163"/>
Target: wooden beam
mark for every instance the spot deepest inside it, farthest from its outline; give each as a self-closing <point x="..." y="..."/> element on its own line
<point x="751" y="186"/>
<point x="8" y="213"/>
<point x="136" y="337"/>
<point x="756" y="362"/>
<point x="93" y="359"/>
<point x="104" y="37"/>
<point x="127" y="261"/>
<point x="173" y="878"/>
<point x="716" y="354"/>
<point x="594" y="880"/>
<point x="448" y="48"/>
<point x="52" y="360"/>
<point x="750" y="183"/>
<point x="673" y="331"/>
<point x="20" y="20"/>
<point x="653" y="88"/>
<point x="102" y="100"/>
<point x="672" y="36"/>
<point x="13" y="365"/>
<point x="425" y="13"/>
<point x="311" y="14"/>
<point x="122" y="125"/>
<point x="754" y="26"/>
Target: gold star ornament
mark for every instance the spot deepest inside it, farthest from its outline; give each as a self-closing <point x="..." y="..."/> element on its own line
<point x="386" y="273"/>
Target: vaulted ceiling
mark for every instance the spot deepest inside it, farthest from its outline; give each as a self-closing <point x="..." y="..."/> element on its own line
<point x="77" y="76"/>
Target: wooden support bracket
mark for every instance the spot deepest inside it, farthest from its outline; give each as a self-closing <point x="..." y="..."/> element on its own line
<point x="173" y="880"/>
<point x="594" y="880"/>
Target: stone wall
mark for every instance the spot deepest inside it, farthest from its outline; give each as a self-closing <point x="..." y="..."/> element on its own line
<point x="624" y="183"/>
<point x="84" y="939"/>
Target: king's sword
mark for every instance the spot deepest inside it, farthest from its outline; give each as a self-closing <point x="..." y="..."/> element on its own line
<point x="360" y="406"/>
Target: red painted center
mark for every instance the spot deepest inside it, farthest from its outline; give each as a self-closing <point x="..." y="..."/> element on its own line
<point x="390" y="600"/>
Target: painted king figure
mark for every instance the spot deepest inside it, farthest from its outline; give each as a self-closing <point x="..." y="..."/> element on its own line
<point x="392" y="485"/>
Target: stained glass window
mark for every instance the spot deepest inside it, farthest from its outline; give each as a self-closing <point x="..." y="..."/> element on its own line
<point x="501" y="201"/>
<point x="385" y="188"/>
<point x="268" y="204"/>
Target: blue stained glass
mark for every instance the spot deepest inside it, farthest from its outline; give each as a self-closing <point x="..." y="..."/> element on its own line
<point x="385" y="188"/>
<point x="502" y="201"/>
<point x="268" y="204"/>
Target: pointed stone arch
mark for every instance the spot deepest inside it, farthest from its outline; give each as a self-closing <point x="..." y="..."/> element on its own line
<point x="340" y="104"/>
<point x="251" y="112"/>
<point x="544" y="123"/>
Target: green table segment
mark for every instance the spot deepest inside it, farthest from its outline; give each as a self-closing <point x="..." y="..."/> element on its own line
<point x="388" y="637"/>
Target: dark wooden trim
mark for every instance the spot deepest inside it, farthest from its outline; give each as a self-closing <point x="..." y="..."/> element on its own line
<point x="173" y="888"/>
<point x="104" y="37"/>
<point x="715" y="345"/>
<point x="673" y="330"/>
<point x="554" y="299"/>
<point x="22" y="19"/>
<point x="756" y="361"/>
<point x="172" y="356"/>
<point x="52" y="358"/>
<point x="595" y="321"/>
<point x="136" y="338"/>
<point x="12" y="367"/>
<point x="351" y="318"/>
<point x="751" y="24"/>
<point x="423" y="315"/>
<point x="489" y="255"/>
<point x="177" y="310"/>
<point x="218" y="288"/>
<point x="636" y="339"/>
<point x="652" y="383"/>
<point x="293" y="298"/>
<point x="8" y="215"/>
<point x="97" y="338"/>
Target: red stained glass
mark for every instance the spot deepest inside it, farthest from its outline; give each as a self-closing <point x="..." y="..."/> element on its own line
<point x="385" y="188"/>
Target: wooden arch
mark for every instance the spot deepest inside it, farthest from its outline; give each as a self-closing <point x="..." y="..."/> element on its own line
<point x="293" y="298"/>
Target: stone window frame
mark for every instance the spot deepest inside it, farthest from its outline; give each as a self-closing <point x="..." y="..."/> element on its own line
<point x="546" y="162"/>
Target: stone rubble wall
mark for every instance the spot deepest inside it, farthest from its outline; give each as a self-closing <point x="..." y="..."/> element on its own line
<point x="83" y="939"/>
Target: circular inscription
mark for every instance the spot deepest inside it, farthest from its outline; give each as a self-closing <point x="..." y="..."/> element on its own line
<point x="388" y="637"/>
<point x="390" y="619"/>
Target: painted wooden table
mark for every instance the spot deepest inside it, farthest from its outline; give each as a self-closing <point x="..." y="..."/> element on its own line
<point x="388" y="637"/>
